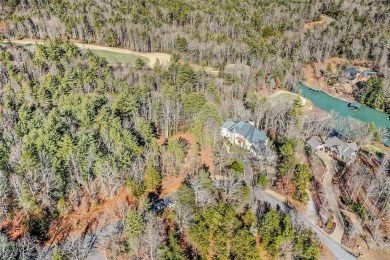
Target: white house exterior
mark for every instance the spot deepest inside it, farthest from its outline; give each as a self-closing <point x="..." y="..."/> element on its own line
<point x="246" y="135"/>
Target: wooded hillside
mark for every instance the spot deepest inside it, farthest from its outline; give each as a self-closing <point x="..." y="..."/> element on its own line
<point x="267" y="35"/>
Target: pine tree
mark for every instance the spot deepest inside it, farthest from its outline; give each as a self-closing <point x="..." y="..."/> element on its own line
<point x="57" y="254"/>
<point x="301" y="180"/>
<point x="152" y="178"/>
<point x="181" y="44"/>
<point x="134" y="224"/>
<point x="296" y="111"/>
<point x="306" y="247"/>
<point x="172" y="250"/>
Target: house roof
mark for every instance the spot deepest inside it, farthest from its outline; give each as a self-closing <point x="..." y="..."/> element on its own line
<point x="369" y="73"/>
<point x="353" y="146"/>
<point x="333" y="141"/>
<point x="246" y="130"/>
<point x="347" y="150"/>
<point x="313" y="143"/>
<point x="228" y="124"/>
<point x="352" y="71"/>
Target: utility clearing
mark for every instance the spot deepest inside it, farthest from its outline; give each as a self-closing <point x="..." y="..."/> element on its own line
<point x="151" y="57"/>
<point x="117" y="56"/>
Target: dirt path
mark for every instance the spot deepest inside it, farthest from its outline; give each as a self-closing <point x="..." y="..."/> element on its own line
<point x="329" y="163"/>
<point x="324" y="19"/>
<point x="164" y="58"/>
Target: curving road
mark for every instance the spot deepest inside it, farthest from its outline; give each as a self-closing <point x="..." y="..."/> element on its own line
<point x="336" y="248"/>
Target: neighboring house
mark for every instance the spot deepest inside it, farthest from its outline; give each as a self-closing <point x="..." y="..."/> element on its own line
<point x="315" y="145"/>
<point x="369" y="73"/>
<point x="346" y="152"/>
<point x="352" y="73"/>
<point x="246" y="135"/>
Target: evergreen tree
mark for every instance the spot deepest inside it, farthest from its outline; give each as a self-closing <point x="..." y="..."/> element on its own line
<point x="301" y="180"/>
<point x="172" y="250"/>
<point x="373" y="94"/>
<point x="244" y="245"/>
<point x="296" y="111"/>
<point x="181" y="44"/>
<point x="134" y="224"/>
<point x="152" y="178"/>
<point x="139" y="63"/>
<point x="57" y="254"/>
<point x="287" y="157"/>
<point x="136" y="188"/>
<point x="306" y="247"/>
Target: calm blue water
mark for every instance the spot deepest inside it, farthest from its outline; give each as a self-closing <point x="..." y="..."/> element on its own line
<point x="329" y="103"/>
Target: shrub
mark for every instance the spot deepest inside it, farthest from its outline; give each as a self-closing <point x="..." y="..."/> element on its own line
<point x="262" y="180"/>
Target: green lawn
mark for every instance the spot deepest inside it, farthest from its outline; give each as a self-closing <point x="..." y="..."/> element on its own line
<point x="374" y="150"/>
<point x="116" y="58"/>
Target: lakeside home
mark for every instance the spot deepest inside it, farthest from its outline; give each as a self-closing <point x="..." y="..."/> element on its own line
<point x="345" y="152"/>
<point x="329" y="103"/>
<point x="246" y="135"/>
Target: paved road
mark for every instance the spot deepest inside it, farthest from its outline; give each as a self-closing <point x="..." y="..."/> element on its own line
<point x="334" y="246"/>
<point x="338" y="251"/>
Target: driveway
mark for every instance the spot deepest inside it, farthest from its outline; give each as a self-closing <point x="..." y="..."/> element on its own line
<point x="330" y="195"/>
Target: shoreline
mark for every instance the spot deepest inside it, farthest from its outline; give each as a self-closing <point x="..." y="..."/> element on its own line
<point x="345" y="100"/>
<point x="308" y="105"/>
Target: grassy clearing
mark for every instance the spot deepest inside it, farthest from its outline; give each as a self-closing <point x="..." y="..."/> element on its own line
<point x="285" y="97"/>
<point x="374" y="150"/>
<point x="119" y="58"/>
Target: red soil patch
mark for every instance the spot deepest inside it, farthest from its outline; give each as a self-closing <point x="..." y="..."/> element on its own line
<point x="171" y="184"/>
<point x="326" y="254"/>
<point x="88" y="217"/>
<point x="324" y="19"/>
<point x="3" y="26"/>
<point x="14" y="227"/>
<point x="207" y="158"/>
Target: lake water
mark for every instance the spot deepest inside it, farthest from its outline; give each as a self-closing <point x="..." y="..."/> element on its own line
<point x="329" y="103"/>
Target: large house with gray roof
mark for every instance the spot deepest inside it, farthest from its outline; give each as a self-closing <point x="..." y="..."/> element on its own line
<point x="346" y="152"/>
<point x="246" y="135"/>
